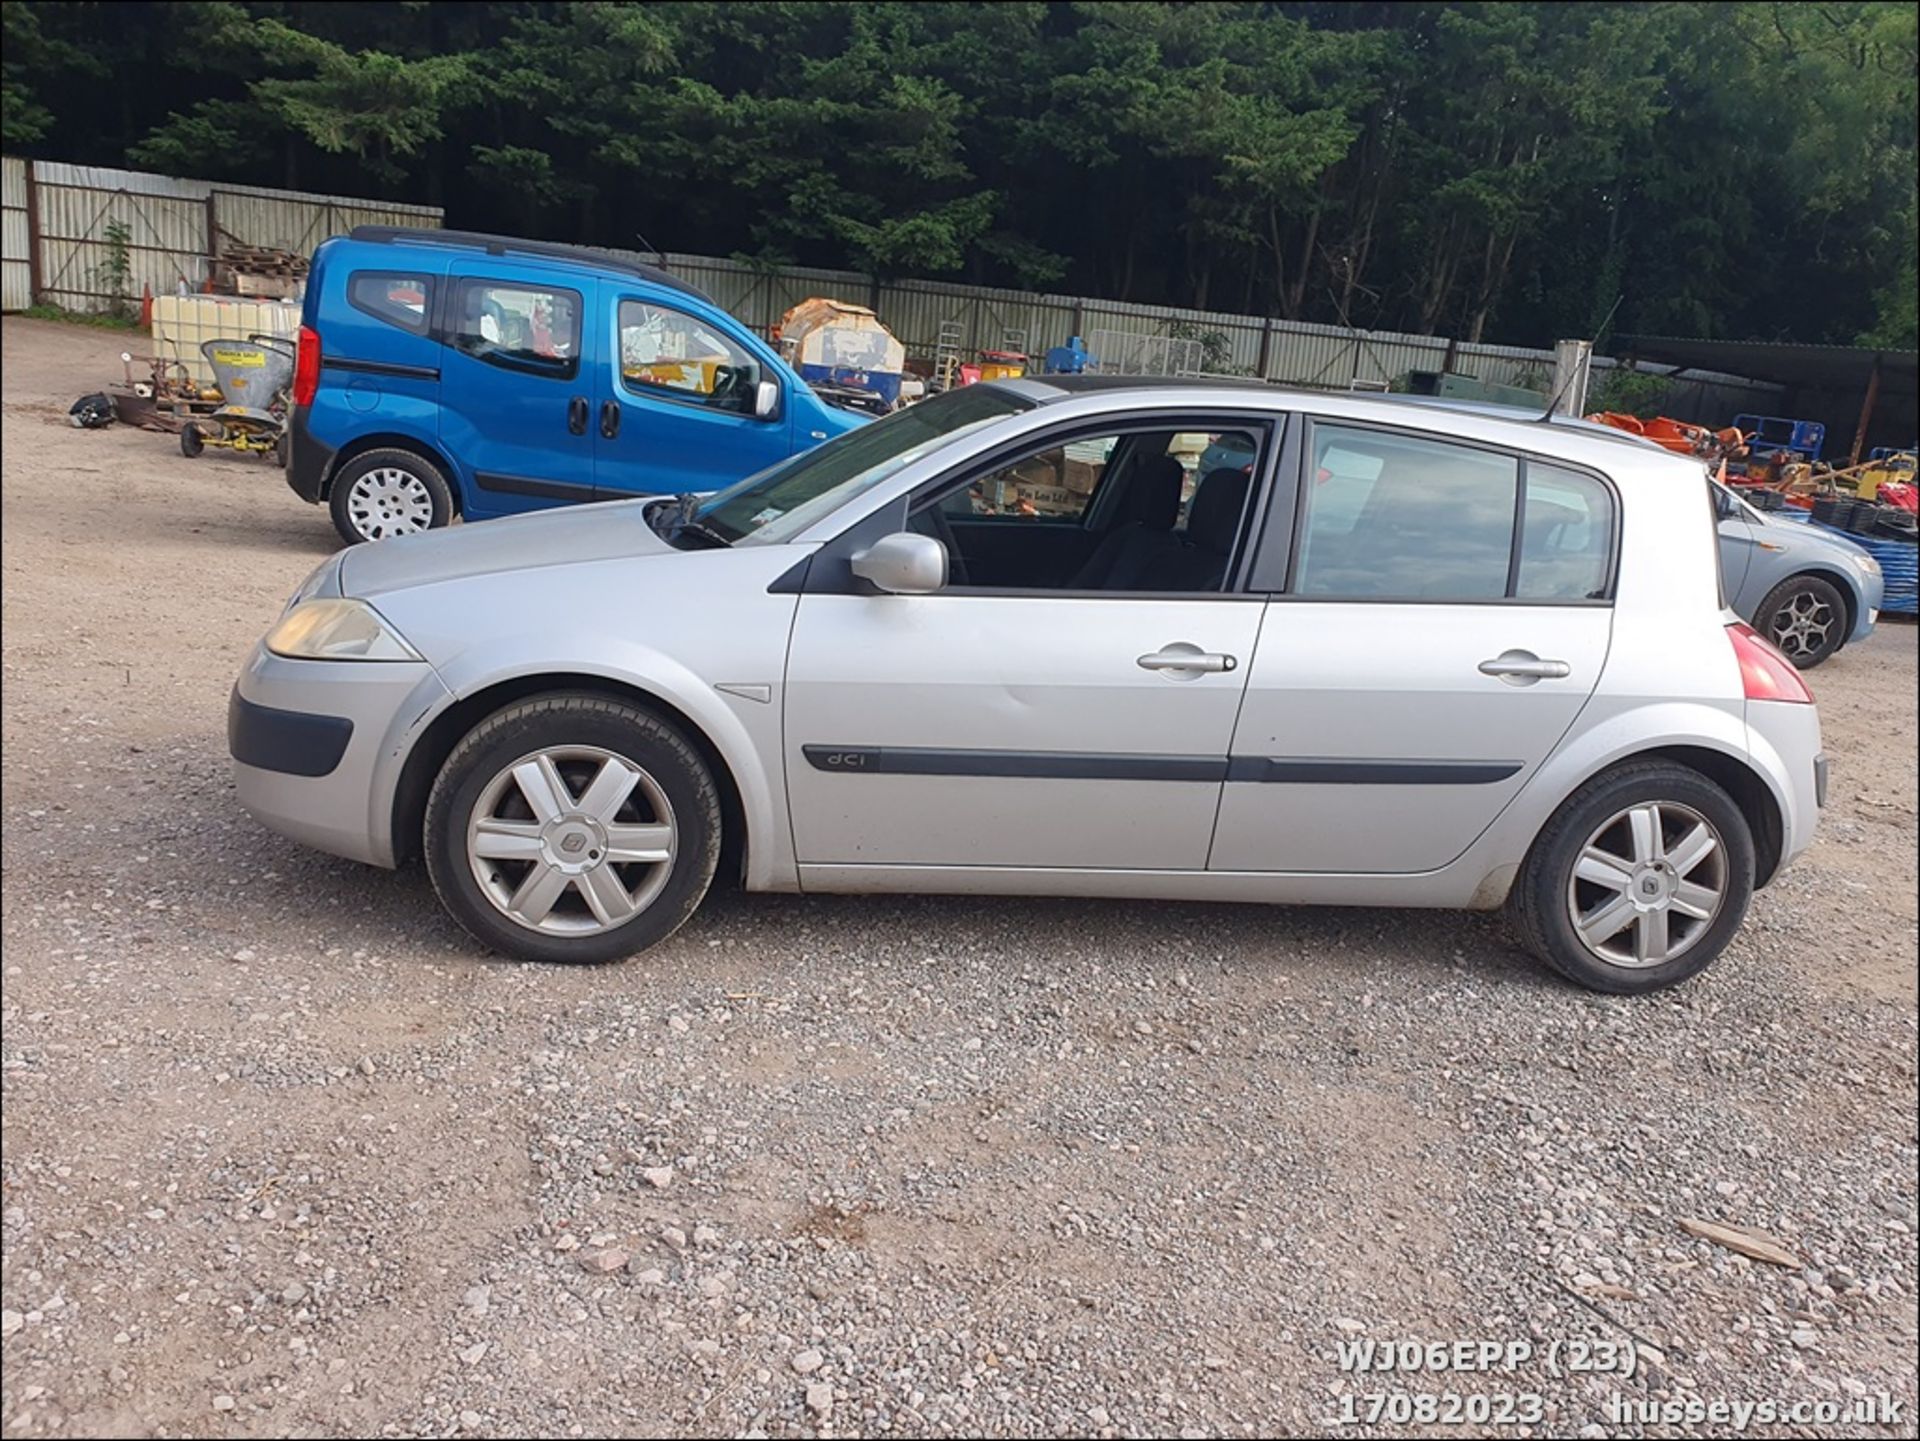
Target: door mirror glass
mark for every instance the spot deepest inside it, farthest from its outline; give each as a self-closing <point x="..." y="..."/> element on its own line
<point x="903" y="564"/>
<point x="766" y="399"/>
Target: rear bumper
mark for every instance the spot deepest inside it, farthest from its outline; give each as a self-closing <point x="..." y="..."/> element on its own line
<point x="1784" y="744"/>
<point x="309" y="459"/>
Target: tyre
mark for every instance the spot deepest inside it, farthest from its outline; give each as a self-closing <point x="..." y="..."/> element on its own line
<point x="572" y="828"/>
<point x="1805" y="617"/>
<point x="389" y="492"/>
<point x="282" y="451"/>
<point x="192" y="442"/>
<point x="1638" y="881"/>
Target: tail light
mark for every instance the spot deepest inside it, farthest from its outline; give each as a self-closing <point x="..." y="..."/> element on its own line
<point x="1766" y="674"/>
<point x="306" y="366"/>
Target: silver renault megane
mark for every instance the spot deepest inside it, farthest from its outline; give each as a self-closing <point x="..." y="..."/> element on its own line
<point x="1020" y="639"/>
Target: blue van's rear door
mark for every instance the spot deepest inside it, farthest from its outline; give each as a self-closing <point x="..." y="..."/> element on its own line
<point x="516" y="408"/>
<point x="674" y="410"/>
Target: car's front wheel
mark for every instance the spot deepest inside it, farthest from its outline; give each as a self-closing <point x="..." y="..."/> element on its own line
<point x="1638" y="881"/>
<point x="389" y="492"/>
<point x="1805" y="618"/>
<point x="574" y="828"/>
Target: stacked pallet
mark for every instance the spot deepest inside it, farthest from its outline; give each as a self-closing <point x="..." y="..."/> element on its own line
<point x="263" y="260"/>
<point x="260" y="270"/>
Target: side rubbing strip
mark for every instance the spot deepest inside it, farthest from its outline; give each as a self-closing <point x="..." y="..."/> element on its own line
<point x="1286" y="770"/>
<point x="1084" y="766"/>
<point x="1029" y="765"/>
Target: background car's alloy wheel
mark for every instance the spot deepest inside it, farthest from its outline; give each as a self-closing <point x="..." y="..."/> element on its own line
<point x="386" y="493"/>
<point x="571" y="840"/>
<point x="573" y="827"/>
<point x="1638" y="881"/>
<point x="1805" y="618"/>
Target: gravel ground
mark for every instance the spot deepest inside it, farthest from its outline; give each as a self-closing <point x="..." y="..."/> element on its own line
<point x="285" y="1155"/>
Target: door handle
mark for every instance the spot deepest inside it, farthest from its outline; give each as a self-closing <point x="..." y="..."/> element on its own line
<point x="1185" y="661"/>
<point x="1523" y="667"/>
<point x="577" y="415"/>
<point x="609" y="418"/>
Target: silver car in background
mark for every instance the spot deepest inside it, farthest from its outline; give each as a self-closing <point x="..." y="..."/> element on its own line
<point x="1009" y="641"/>
<point x="1808" y="591"/>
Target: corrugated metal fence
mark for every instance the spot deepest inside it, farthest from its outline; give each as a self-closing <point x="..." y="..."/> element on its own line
<point x="16" y="272"/>
<point x="57" y="250"/>
<point x="1325" y="356"/>
<point x="61" y="221"/>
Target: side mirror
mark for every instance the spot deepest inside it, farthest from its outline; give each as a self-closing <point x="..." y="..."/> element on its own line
<point x="766" y="400"/>
<point x="904" y="563"/>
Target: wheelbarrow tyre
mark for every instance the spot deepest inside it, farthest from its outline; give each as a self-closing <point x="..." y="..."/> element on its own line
<point x="192" y="442"/>
<point x="281" y="451"/>
<point x="388" y="492"/>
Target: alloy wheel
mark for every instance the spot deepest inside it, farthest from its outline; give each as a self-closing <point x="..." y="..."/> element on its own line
<point x="387" y="502"/>
<point x="1648" y="884"/>
<point x="571" y="840"/>
<point x="1802" y="625"/>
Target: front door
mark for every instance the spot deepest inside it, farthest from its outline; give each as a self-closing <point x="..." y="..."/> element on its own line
<point x="1029" y="723"/>
<point x="1422" y="664"/>
<point x="675" y="404"/>
<point x="513" y="391"/>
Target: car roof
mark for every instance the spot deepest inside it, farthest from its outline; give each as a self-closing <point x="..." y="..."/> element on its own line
<point x="533" y="249"/>
<point x="1516" y="426"/>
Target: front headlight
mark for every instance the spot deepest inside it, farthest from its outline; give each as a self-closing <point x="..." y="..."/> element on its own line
<point x="1866" y="562"/>
<point x="337" y="630"/>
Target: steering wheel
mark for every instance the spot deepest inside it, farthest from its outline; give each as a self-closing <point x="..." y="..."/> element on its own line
<point x="943" y="532"/>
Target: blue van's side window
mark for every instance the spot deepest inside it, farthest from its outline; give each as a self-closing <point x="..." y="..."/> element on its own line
<point x="390" y="295"/>
<point x="517" y="326"/>
<point x="672" y="355"/>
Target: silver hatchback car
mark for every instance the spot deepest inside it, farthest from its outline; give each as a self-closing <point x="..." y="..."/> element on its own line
<point x="1018" y="640"/>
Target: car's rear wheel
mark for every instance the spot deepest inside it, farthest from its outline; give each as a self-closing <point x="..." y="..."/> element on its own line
<point x="389" y="492"/>
<point x="1638" y="881"/>
<point x="1805" y="618"/>
<point x="572" y="828"/>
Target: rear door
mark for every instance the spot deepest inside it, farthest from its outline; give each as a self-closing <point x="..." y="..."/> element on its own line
<point x="514" y="394"/>
<point x="1447" y="615"/>
<point x="674" y="399"/>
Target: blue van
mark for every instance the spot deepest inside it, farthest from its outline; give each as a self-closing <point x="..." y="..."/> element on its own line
<point x="441" y="372"/>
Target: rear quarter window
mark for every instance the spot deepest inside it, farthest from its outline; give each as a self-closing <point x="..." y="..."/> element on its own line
<point x="400" y="299"/>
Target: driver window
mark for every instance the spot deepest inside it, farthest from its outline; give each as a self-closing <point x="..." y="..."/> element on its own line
<point x="1053" y="485"/>
<point x="1141" y="511"/>
<point x="675" y="356"/>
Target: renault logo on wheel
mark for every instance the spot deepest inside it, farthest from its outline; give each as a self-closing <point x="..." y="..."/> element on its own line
<point x="571" y="844"/>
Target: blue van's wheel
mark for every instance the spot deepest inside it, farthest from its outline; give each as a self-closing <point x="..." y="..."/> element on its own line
<point x="389" y="492"/>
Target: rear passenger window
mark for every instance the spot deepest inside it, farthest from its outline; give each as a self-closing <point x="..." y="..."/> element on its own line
<point x="1566" y="542"/>
<point x="398" y="299"/>
<point x="1387" y="516"/>
<point x="1405" y="517"/>
<point x="533" y="328"/>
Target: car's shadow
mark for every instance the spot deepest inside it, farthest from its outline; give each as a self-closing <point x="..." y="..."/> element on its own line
<point x="1429" y="947"/>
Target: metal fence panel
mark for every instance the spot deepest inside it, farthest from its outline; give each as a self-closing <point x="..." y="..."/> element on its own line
<point x="16" y="265"/>
<point x="169" y="223"/>
<point x="165" y="244"/>
<point x="286" y="220"/>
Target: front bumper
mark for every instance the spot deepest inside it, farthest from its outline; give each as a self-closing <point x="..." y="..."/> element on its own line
<point x="318" y="746"/>
<point x="1870" y="596"/>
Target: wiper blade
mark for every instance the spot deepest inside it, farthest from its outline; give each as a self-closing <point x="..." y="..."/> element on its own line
<point x="701" y="529"/>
